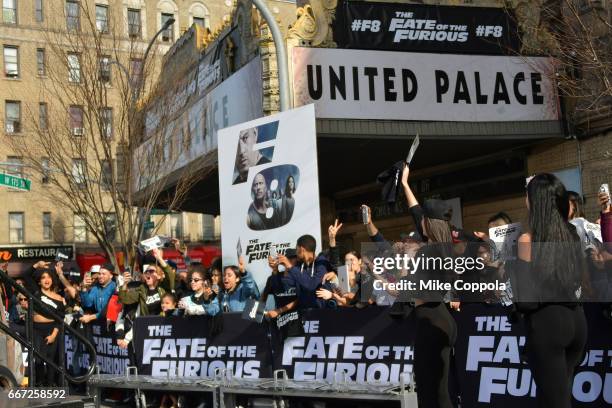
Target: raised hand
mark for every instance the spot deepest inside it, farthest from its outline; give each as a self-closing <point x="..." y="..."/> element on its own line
<point x="333" y="231"/>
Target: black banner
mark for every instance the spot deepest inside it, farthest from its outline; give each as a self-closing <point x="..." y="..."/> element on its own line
<point x="184" y="346"/>
<point x="489" y="371"/>
<point x="111" y="359"/>
<point x="430" y="28"/>
<point x="367" y="345"/>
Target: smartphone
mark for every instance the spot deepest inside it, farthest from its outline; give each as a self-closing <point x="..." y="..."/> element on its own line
<point x="273" y="252"/>
<point x="364" y="215"/>
<point x="605" y="188"/>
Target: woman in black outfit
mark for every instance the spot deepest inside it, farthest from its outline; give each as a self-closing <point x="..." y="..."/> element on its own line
<point x="436" y="330"/>
<point x="46" y="329"/>
<point x="548" y="276"/>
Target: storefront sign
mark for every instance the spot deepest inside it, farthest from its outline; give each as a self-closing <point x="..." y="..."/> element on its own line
<point x="269" y="188"/>
<point x="193" y="133"/>
<point x="354" y="84"/>
<point x="430" y="28"/>
<point x="44" y="253"/>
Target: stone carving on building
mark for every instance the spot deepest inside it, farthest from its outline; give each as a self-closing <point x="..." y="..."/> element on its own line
<point x="313" y="24"/>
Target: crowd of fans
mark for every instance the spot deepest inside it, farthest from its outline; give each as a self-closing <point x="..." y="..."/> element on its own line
<point x="299" y="278"/>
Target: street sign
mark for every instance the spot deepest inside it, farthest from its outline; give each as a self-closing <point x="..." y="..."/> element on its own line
<point x="149" y="225"/>
<point x="19" y="183"/>
<point x="158" y="211"/>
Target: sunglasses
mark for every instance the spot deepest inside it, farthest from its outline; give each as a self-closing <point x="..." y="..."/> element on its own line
<point x="21" y="299"/>
<point x="195" y="280"/>
<point x="150" y="271"/>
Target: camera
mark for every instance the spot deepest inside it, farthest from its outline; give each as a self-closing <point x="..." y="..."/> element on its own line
<point x="60" y="257"/>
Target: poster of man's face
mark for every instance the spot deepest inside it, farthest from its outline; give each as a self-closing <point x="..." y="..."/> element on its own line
<point x="273" y="197"/>
<point x="247" y="155"/>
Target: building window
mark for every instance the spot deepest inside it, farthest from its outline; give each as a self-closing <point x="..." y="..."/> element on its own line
<point x="9" y="11"/>
<point x="76" y="120"/>
<point x="134" y="23"/>
<point x="47" y="234"/>
<point x="79" y="228"/>
<point x="11" y="61"/>
<point x="41" y="61"/>
<point x="201" y="21"/>
<point x="136" y="73"/>
<point x="176" y="226"/>
<point x="102" y="18"/>
<point x="15" y="166"/>
<point x="78" y="172"/>
<point x="106" y="122"/>
<point x="74" y="68"/>
<point x="43" y="118"/>
<point x="12" y="120"/>
<point x="105" y="69"/>
<point x="46" y="171"/>
<point x="16" y="227"/>
<point x="168" y="34"/>
<point x="73" y="19"/>
<point x="106" y="175"/>
<point x="38" y="10"/>
<point x="110" y="226"/>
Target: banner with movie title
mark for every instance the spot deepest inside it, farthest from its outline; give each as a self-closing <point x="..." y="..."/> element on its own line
<point x="489" y="368"/>
<point x="268" y="187"/>
<point x="110" y="358"/>
<point x="366" y="346"/>
<point x="429" y="28"/>
<point x="358" y="84"/>
<point x="188" y="347"/>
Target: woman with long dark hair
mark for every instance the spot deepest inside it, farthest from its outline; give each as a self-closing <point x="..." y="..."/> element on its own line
<point x="548" y="278"/>
<point x="436" y="330"/>
<point x="46" y="328"/>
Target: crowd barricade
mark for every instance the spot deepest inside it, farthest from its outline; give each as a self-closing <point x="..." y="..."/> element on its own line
<point x="368" y="345"/>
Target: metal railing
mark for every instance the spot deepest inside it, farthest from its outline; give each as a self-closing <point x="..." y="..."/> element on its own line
<point x="28" y="341"/>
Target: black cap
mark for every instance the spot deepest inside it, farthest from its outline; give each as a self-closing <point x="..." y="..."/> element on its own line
<point x="109" y="267"/>
<point x="437" y="210"/>
<point x="290" y="253"/>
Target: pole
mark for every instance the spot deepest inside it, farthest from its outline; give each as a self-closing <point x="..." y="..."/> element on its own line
<point x="281" y="54"/>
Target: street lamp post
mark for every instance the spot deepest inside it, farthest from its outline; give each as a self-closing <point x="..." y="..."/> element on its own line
<point x="281" y="54"/>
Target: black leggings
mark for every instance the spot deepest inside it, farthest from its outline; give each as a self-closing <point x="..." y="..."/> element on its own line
<point x="46" y="375"/>
<point x="556" y="336"/>
<point x="436" y="332"/>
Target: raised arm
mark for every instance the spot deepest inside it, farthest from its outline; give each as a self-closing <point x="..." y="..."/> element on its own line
<point x="71" y="291"/>
<point x="410" y="197"/>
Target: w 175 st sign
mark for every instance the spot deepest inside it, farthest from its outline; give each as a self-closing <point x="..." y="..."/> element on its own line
<point x="19" y="183"/>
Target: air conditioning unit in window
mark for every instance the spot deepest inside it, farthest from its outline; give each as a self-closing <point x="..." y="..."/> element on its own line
<point x="13" y="127"/>
<point x="12" y="74"/>
<point x="77" y="131"/>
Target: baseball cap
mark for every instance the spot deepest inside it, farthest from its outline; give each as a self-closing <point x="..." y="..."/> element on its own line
<point x="95" y="269"/>
<point x="437" y="210"/>
<point x="109" y="267"/>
